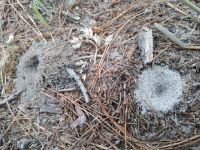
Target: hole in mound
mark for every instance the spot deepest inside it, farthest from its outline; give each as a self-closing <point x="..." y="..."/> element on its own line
<point x="33" y="63"/>
<point x="160" y="89"/>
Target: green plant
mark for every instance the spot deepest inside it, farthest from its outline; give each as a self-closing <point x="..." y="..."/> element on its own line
<point x="42" y="10"/>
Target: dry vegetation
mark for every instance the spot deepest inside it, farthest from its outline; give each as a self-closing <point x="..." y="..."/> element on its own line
<point x="111" y="68"/>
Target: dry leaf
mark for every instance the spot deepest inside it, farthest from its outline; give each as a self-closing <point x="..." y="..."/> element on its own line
<point x="89" y="35"/>
<point x="76" y="42"/>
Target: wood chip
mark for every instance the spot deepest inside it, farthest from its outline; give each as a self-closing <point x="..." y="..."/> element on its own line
<point x="145" y="41"/>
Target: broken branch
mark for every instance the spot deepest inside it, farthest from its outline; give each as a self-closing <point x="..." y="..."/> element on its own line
<point x="73" y="75"/>
<point x="81" y="118"/>
<point x="12" y="97"/>
<point x="174" y="39"/>
<point x="192" y="6"/>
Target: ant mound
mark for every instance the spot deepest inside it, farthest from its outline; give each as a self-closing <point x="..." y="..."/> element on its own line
<point x="159" y="89"/>
<point x="40" y="62"/>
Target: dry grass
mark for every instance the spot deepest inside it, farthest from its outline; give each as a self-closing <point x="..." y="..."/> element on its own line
<point x="114" y="120"/>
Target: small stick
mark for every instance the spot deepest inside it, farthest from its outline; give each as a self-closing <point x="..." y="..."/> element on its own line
<point x="85" y="57"/>
<point x="175" y="8"/>
<point x="73" y="75"/>
<point x="67" y="90"/>
<point x="12" y="97"/>
<point x="81" y="118"/>
<point x="169" y="35"/>
<point x="181" y="12"/>
<point x="192" y="6"/>
<point x="161" y="52"/>
<point x="174" y="39"/>
<point x="190" y="62"/>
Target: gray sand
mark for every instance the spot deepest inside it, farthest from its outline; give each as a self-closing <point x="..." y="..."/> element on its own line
<point x="40" y="65"/>
<point x="159" y="89"/>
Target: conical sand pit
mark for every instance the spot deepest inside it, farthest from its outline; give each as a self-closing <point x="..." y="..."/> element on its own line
<point x="159" y="89"/>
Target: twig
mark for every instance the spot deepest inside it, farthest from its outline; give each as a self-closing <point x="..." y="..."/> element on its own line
<point x="161" y="52"/>
<point x="119" y="16"/>
<point x="12" y="97"/>
<point x="80" y="120"/>
<point x="192" y="6"/>
<point x="169" y="35"/>
<point x="175" y="8"/>
<point x="73" y="75"/>
<point x="85" y="57"/>
<point x="181" y="12"/>
<point x="184" y="141"/>
<point x="67" y="90"/>
<point x="190" y="62"/>
<point x="174" y="39"/>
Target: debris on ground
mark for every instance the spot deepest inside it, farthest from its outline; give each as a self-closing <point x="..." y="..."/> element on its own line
<point x="81" y="120"/>
<point x="73" y="75"/>
<point x="84" y="83"/>
<point x="174" y="39"/>
<point x="10" y="98"/>
<point x="37" y="66"/>
<point x="159" y="89"/>
<point x="146" y="45"/>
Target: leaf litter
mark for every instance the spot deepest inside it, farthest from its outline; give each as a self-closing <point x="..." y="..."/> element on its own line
<point x="46" y="113"/>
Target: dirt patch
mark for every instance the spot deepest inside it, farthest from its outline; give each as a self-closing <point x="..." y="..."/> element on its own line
<point x="39" y="64"/>
<point x="159" y="89"/>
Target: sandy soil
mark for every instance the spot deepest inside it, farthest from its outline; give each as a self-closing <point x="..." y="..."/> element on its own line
<point x="95" y="105"/>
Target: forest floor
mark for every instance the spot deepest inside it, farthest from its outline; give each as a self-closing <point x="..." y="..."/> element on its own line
<point x="69" y="69"/>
